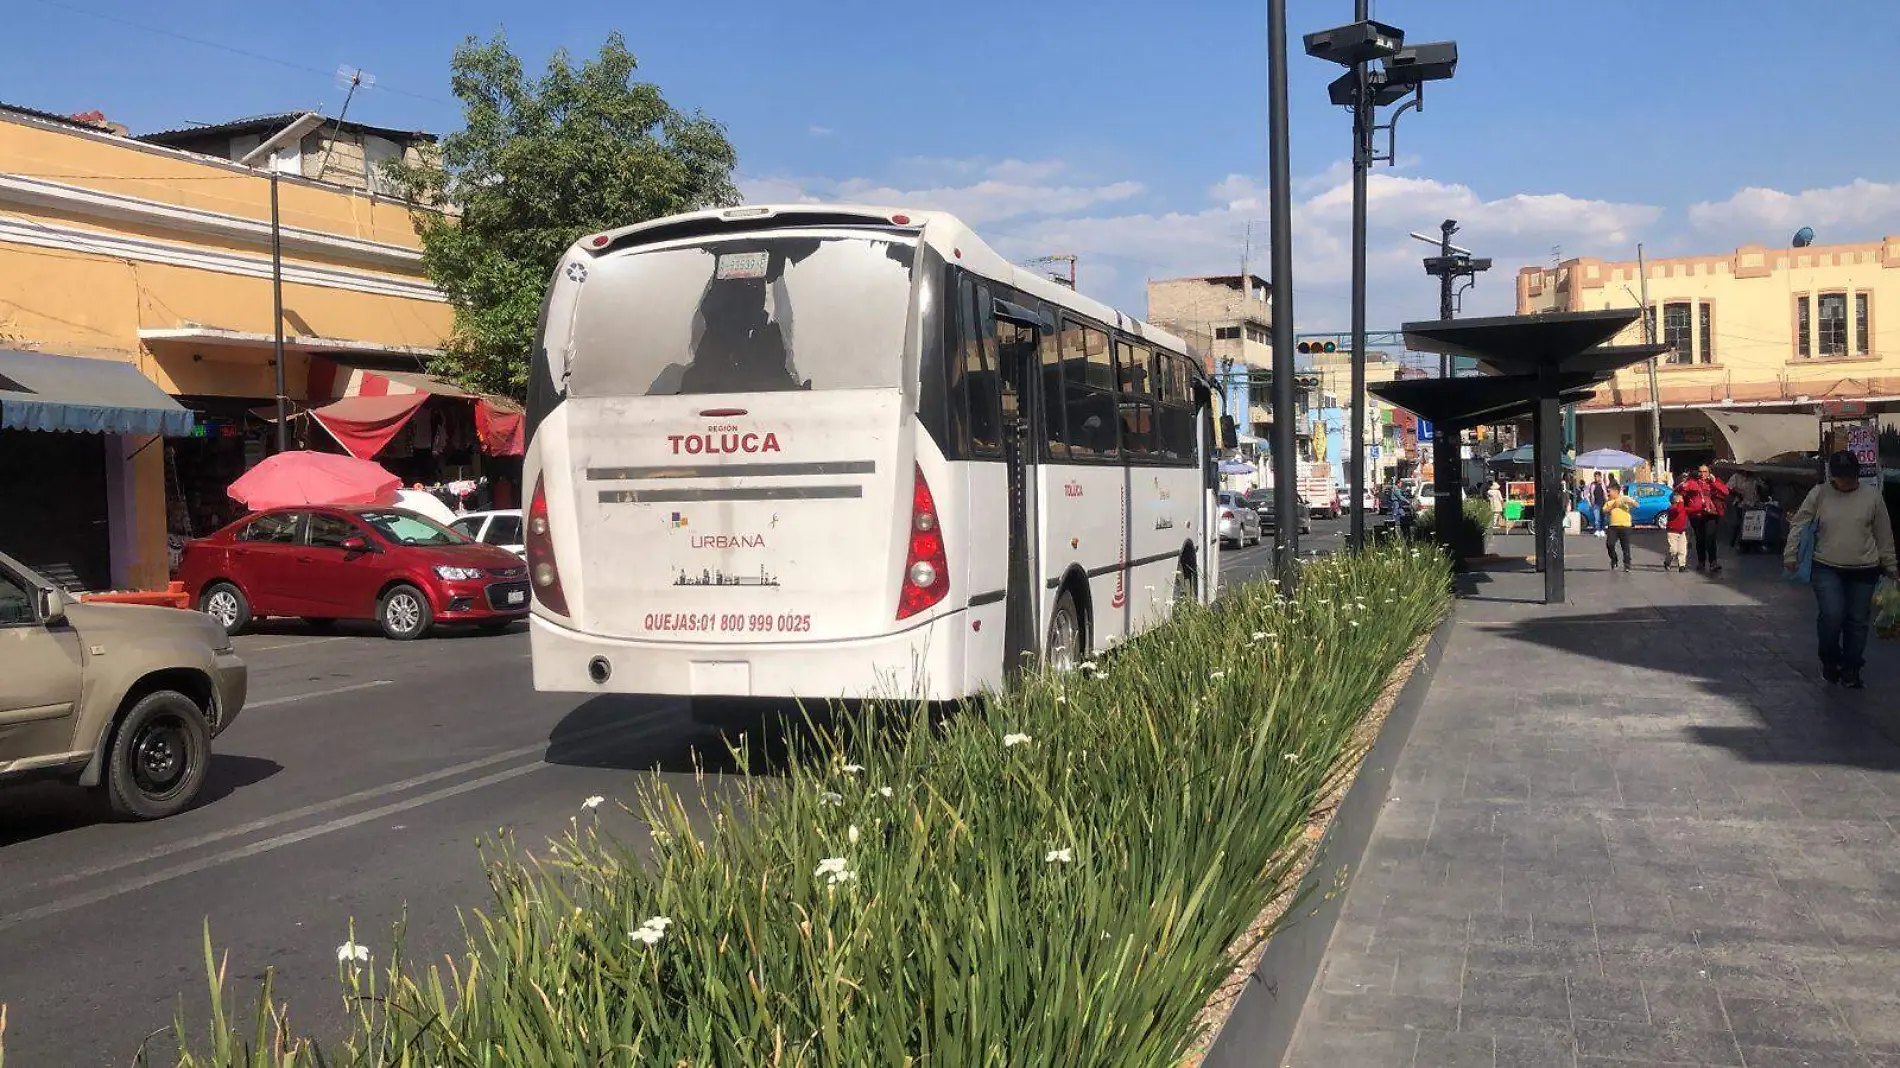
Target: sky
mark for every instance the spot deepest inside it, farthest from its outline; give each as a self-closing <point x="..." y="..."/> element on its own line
<point x="1130" y="133"/>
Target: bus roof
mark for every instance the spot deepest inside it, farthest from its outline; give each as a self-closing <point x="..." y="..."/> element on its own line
<point x="941" y="230"/>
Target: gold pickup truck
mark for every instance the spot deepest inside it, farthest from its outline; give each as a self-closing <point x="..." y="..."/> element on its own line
<point x="123" y="698"/>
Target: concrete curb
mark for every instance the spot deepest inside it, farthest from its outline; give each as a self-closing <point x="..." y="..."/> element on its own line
<point x="1259" y="1032"/>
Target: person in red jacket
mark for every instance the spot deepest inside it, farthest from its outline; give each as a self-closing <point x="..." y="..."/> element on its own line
<point x="1676" y="523"/>
<point x="1705" y="496"/>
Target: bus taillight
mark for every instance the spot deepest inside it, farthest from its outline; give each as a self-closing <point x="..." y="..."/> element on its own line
<point x="539" y="543"/>
<point x="926" y="578"/>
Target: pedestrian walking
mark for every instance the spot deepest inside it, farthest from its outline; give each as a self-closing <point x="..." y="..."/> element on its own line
<point x="1597" y="494"/>
<point x="1495" y="495"/>
<point x="1619" y="510"/>
<point x="1707" y="497"/>
<point x="1676" y="524"/>
<point x="1852" y="547"/>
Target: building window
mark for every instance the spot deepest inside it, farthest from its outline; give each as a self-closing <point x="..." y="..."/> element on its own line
<point x="1255" y="333"/>
<point x="1705" y="331"/>
<point x="1833" y="316"/>
<point x="1863" y="342"/>
<point x="1802" y="343"/>
<point x="1677" y="333"/>
<point x="1227" y="333"/>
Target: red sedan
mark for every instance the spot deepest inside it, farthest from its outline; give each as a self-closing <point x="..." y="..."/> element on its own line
<point x="406" y="572"/>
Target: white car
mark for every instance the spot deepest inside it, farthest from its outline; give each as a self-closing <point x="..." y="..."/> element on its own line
<point x="500" y="528"/>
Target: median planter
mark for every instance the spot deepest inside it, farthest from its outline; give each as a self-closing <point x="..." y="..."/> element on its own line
<point x="1061" y="876"/>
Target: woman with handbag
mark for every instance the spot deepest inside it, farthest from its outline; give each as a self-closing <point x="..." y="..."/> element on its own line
<point x="1844" y="538"/>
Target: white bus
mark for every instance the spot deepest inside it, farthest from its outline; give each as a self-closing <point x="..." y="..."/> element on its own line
<point x="834" y="452"/>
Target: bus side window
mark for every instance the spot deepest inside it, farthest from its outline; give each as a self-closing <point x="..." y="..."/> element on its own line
<point x="1174" y="422"/>
<point x="958" y="356"/>
<point x="1088" y="392"/>
<point x="1055" y="434"/>
<point x="981" y="376"/>
<point x="1133" y="371"/>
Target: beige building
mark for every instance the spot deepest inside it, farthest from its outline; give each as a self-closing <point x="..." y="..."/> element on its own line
<point x="1235" y="313"/>
<point x="345" y="154"/>
<point x="1757" y="329"/>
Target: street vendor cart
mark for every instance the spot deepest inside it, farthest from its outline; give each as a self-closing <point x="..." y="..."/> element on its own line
<point x="1763" y="528"/>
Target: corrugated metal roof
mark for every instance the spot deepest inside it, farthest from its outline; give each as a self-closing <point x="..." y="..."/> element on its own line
<point x="49" y="116"/>
<point x="271" y="123"/>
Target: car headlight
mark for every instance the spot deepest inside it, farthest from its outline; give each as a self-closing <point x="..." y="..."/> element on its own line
<point x="458" y="574"/>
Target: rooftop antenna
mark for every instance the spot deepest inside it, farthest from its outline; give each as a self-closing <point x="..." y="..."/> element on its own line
<point x="352" y="79"/>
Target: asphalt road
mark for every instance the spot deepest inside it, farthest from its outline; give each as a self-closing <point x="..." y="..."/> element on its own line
<point x="356" y="786"/>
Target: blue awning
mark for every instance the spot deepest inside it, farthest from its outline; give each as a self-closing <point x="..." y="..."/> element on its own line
<point x="40" y="391"/>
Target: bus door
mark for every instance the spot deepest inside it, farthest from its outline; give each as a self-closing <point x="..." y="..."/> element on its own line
<point x="1018" y="337"/>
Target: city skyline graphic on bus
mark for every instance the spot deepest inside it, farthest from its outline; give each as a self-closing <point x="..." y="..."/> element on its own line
<point x="718" y="577"/>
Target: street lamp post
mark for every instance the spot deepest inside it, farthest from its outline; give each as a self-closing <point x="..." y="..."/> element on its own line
<point x="1286" y="479"/>
<point x="265" y="152"/>
<point x="1402" y="73"/>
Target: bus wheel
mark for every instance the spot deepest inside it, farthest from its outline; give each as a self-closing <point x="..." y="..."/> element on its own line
<point x="1065" y="634"/>
<point x="1187" y="584"/>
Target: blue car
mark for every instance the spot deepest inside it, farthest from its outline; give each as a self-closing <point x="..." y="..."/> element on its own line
<point x="1652" y="501"/>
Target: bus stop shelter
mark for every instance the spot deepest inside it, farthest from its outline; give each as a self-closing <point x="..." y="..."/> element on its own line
<point x="1529" y="362"/>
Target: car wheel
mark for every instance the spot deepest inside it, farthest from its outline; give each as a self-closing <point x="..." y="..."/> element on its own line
<point x="1064" y="648"/>
<point x="405" y="614"/>
<point x="159" y="757"/>
<point x="318" y="622"/>
<point x="227" y="606"/>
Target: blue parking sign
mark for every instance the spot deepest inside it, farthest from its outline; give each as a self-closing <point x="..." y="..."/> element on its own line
<point x="1425" y="430"/>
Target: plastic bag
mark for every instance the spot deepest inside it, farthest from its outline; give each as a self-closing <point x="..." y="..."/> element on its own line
<point x="1887" y="609"/>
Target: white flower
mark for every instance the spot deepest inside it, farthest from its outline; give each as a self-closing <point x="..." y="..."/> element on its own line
<point x="853" y="769"/>
<point x="1217" y="674"/>
<point x="1012" y="740"/>
<point x="884" y="790"/>
<point x="1354" y="622"/>
<point x="593" y="802"/>
<point x="350" y="951"/>
<point x="1055" y="856"/>
<point x="833" y="870"/>
<point x="1062" y="698"/>
<point x="1088" y="665"/>
<point x="851" y="833"/>
<point x="1259" y="634"/>
<point x="830" y="798"/>
<point x="1292" y="757"/>
<point x="651" y="931"/>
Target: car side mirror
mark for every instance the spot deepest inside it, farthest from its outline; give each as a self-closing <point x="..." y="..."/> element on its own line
<point x="52" y="606"/>
<point x="355" y="543"/>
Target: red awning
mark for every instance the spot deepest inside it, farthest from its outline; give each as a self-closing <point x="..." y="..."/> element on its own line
<point x="363" y="425"/>
<point x="501" y="428"/>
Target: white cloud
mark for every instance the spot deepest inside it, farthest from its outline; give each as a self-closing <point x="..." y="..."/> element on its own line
<point x="820" y="131"/>
<point x="1858" y="211"/>
<point x="1010" y="189"/>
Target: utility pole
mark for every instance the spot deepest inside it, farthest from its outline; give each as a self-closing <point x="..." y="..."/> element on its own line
<point x="1361" y="166"/>
<point x="1655" y="401"/>
<point x="264" y="155"/>
<point x="1286" y="498"/>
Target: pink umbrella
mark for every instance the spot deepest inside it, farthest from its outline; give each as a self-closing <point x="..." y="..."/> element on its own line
<point x="292" y="478"/>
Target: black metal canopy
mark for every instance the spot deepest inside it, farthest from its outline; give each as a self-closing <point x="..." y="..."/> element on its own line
<point x="1520" y="342"/>
<point x="1459" y="403"/>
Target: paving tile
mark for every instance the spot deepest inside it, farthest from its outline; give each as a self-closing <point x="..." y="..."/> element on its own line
<point x="1387" y="1011"/>
<point x="1447" y="1049"/>
<point x="1772" y="1057"/>
<point x="1873" y="1021"/>
<point x="1655" y="1045"/>
<point x="1616" y="1000"/>
<point x="1511" y="994"/>
<point x="1331" y="1047"/>
<point x="1534" y="1053"/>
<point x="1800" y="1023"/>
<point x="1684" y="1006"/>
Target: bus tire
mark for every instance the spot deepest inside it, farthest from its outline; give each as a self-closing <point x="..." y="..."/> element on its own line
<point x="1187" y="580"/>
<point x="1063" y="650"/>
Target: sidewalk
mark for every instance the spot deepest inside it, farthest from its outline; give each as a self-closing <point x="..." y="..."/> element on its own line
<point x="1632" y="829"/>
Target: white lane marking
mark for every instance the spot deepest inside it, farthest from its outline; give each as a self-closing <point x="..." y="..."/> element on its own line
<point x="301" y="643"/>
<point x="54" y="908"/>
<point x="345" y="801"/>
<point x="352" y="688"/>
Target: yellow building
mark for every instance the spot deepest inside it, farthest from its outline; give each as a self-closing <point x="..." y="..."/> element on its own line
<point x="1758" y="329"/>
<point x="120" y="255"/>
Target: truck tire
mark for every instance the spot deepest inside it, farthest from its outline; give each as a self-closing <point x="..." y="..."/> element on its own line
<point x="161" y="751"/>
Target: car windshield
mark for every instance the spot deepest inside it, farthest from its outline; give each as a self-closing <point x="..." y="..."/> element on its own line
<point x="405" y="528"/>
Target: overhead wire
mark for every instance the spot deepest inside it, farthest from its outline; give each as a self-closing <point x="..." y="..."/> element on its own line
<point x="220" y="46"/>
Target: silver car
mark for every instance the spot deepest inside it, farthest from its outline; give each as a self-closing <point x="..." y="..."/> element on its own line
<point x="1239" y="522"/>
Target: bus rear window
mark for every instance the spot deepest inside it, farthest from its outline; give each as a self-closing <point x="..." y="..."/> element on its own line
<point x="749" y="314"/>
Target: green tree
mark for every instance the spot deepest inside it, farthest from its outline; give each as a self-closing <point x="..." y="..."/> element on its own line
<point x="540" y="163"/>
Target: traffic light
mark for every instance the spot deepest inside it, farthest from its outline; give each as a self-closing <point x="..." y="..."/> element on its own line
<point x="1313" y="348"/>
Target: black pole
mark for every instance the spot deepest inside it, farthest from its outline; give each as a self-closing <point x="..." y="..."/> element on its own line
<point x="1361" y="163"/>
<point x="1550" y="492"/>
<point x="1445" y="230"/>
<point x="1286" y="479"/>
<point x="277" y="314"/>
